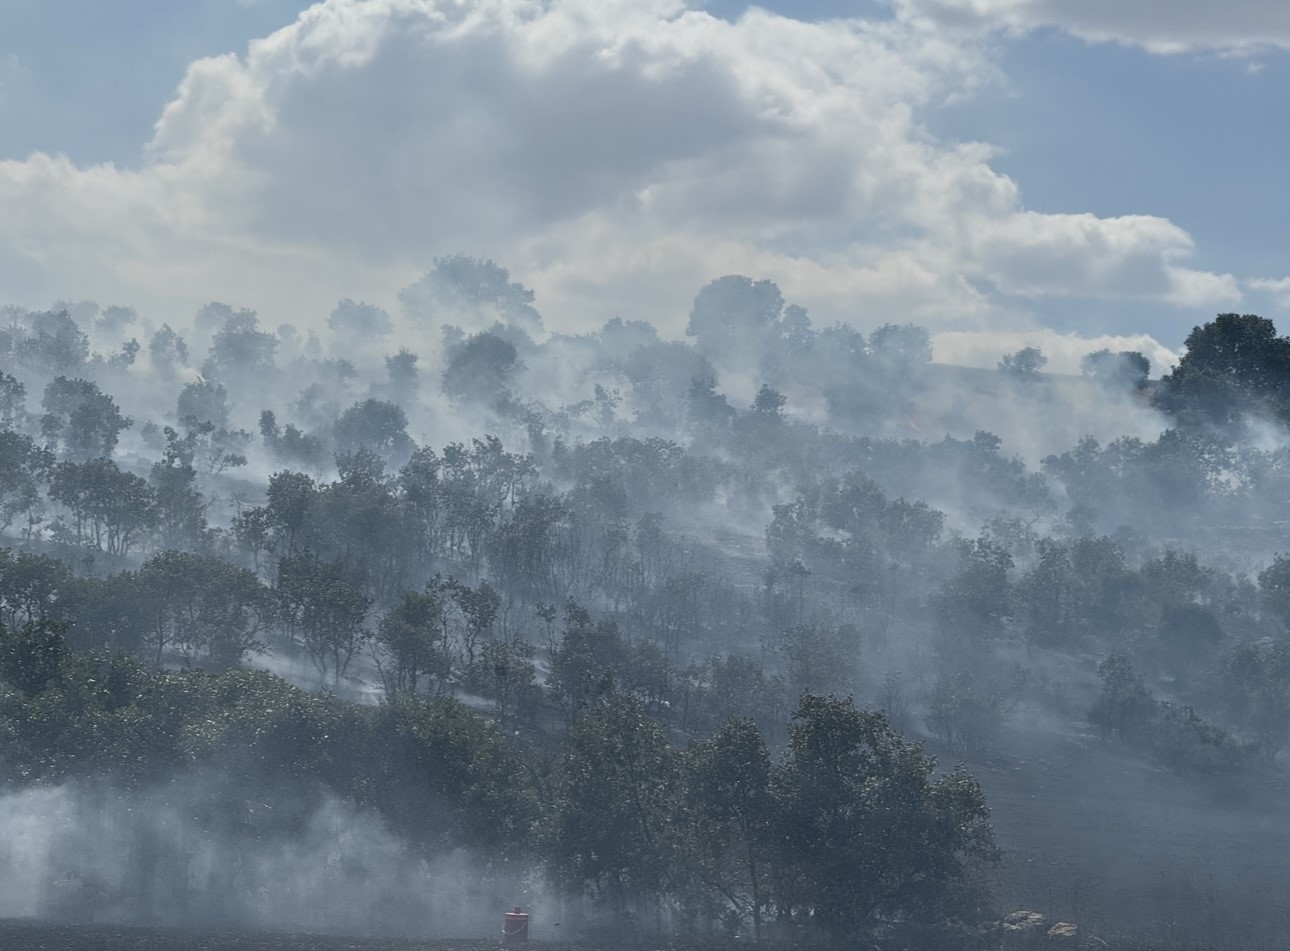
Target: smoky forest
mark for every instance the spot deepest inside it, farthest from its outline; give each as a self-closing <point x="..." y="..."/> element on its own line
<point x="773" y="634"/>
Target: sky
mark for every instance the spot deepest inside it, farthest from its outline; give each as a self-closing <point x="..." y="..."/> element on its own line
<point x="1063" y="173"/>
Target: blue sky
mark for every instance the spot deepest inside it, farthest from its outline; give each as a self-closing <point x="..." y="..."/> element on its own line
<point x="1061" y="173"/>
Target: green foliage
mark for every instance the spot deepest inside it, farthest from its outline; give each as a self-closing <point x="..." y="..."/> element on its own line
<point x="1172" y="733"/>
<point x="977" y="599"/>
<point x="110" y="509"/>
<point x="375" y="425"/>
<point x="1274" y="585"/>
<point x="33" y="589"/>
<point x="33" y="656"/>
<point x="1127" y="369"/>
<point x="1256" y="678"/>
<point x="179" y="507"/>
<point x="52" y="343"/>
<point x="1235" y="364"/>
<point x="203" y="402"/>
<point x="447" y="778"/>
<point x="730" y="309"/>
<point x="167" y="351"/>
<point x="324" y="609"/>
<point x="23" y="469"/>
<point x="415" y="634"/>
<point x="13" y="396"/>
<point x="240" y="353"/>
<point x="1025" y="363"/>
<point x="966" y="712"/>
<point x="505" y="671"/>
<point x="81" y="418"/>
<point x="201" y="607"/>
<point x="866" y="832"/>
<point x="731" y="807"/>
<point x="611" y="828"/>
<point x="480" y="369"/>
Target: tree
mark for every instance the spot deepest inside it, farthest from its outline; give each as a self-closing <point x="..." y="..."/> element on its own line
<point x="479" y="607"/>
<point x="729" y="803"/>
<point x="707" y="407"/>
<point x="54" y="345"/>
<point x="900" y="355"/>
<point x="1045" y="596"/>
<point x="201" y="606"/>
<point x="324" y="608"/>
<point x="180" y="507"/>
<point x="23" y="467"/>
<point x="110" y="508"/>
<point x="480" y="368"/>
<point x="1024" y="364"/>
<point x="1274" y="585"/>
<point x="402" y="376"/>
<point x="769" y="405"/>
<point x="415" y="635"/>
<point x="820" y="658"/>
<point x="977" y="598"/>
<point x="477" y="292"/>
<point x="240" y="352"/>
<point x="736" y="686"/>
<point x="733" y="306"/>
<point x="966" y="712"/>
<point x="80" y="416"/>
<point x="354" y="323"/>
<point x="34" y="589"/>
<point x="611" y="829"/>
<point x="505" y="669"/>
<point x="289" y="444"/>
<point x="1128" y="368"/>
<point x="32" y="657"/>
<point x="864" y="832"/>
<point x="167" y="351"/>
<point x="585" y="662"/>
<point x="293" y="499"/>
<point x="1125" y="706"/>
<point x="1256" y="682"/>
<point x="1234" y="364"/>
<point x="377" y="426"/>
<point x="203" y="402"/>
<point x="13" y="401"/>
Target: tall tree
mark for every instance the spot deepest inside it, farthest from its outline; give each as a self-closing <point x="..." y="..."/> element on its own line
<point x="611" y="829"/>
<point x="866" y="832"/>
<point x="729" y="802"/>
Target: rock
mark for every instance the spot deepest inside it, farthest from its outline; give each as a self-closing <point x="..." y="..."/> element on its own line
<point x="1023" y="921"/>
<point x="1066" y="932"/>
<point x="1023" y="929"/>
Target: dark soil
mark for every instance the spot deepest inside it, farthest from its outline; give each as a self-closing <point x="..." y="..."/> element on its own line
<point x="42" y="936"/>
<point x="29" y="935"/>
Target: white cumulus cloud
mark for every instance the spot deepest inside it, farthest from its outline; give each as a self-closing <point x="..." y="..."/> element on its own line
<point x="614" y="154"/>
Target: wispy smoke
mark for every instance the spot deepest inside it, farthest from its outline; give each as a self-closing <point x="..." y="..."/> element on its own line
<point x="190" y="854"/>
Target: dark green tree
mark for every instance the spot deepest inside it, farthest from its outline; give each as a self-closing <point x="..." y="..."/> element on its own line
<point x="730" y="805"/>
<point x="1234" y="364"/>
<point x="377" y="426"/>
<point x="866" y="833"/>
<point x="110" y="509"/>
<point x="322" y="607"/>
<point x="414" y="634"/>
<point x="480" y="369"/>
<point x="1024" y="364"/>
<point x="611" y="829"/>
<point x="81" y="418"/>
